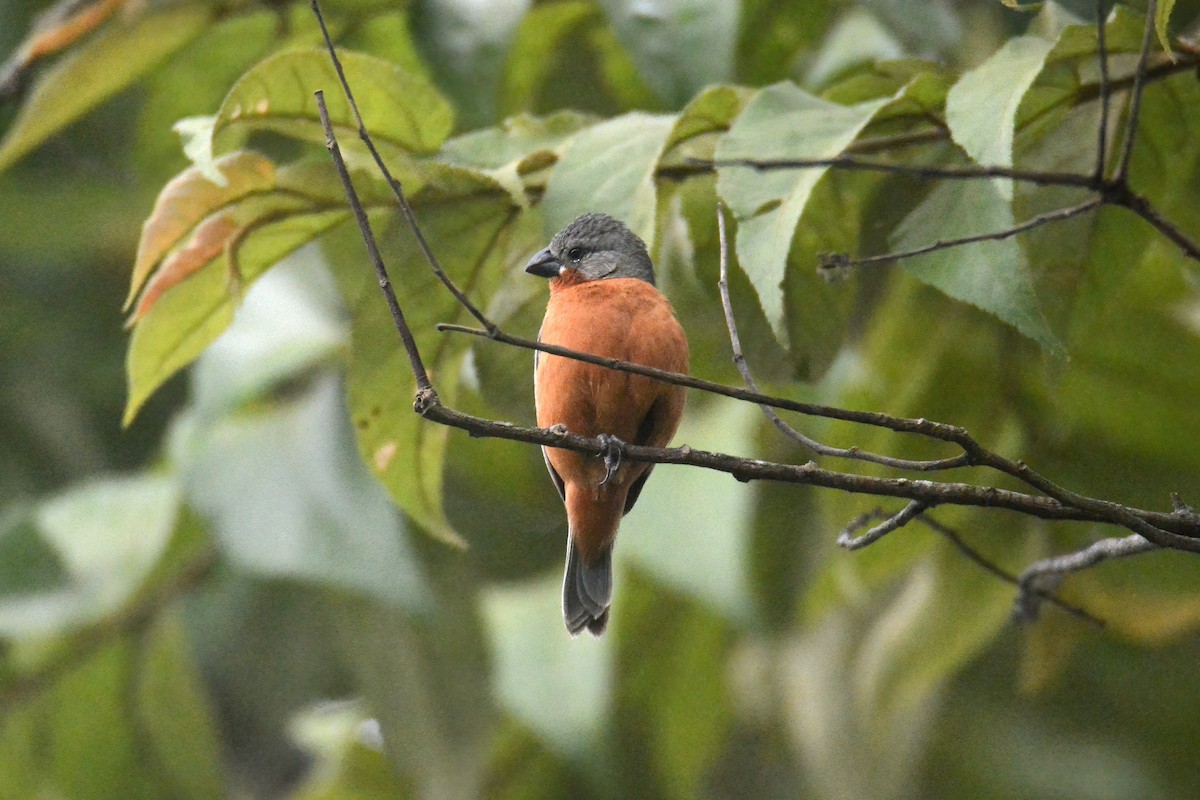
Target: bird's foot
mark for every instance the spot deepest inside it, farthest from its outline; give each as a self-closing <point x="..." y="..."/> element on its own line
<point x="614" y="448"/>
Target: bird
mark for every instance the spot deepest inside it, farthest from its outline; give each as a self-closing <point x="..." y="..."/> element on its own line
<point x="603" y="301"/>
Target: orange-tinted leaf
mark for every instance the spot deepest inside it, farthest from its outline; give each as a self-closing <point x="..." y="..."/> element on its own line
<point x="206" y="243"/>
<point x="63" y="25"/>
<point x="187" y="201"/>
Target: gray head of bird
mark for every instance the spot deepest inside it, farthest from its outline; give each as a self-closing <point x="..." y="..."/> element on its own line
<point x="595" y="247"/>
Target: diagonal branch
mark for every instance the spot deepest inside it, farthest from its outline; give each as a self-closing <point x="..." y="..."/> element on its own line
<point x="1102" y="51"/>
<point x="840" y="261"/>
<point x="848" y="540"/>
<point x="364" y="227"/>
<point x="739" y="360"/>
<point x="1135" y="98"/>
<point x="984" y="563"/>
<point x="393" y="182"/>
<point x="1041" y="576"/>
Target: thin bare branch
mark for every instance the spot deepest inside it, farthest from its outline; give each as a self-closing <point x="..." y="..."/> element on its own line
<point x="848" y="540"/>
<point x="1135" y="97"/>
<point x="1102" y="48"/>
<point x="364" y="227"/>
<point x="987" y="565"/>
<point x="743" y="367"/>
<point x="1142" y="207"/>
<point x="397" y="188"/>
<point x="841" y="261"/>
<point x="1044" y="575"/>
<point x="931" y="172"/>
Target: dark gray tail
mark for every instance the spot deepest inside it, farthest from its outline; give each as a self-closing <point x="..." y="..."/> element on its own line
<point x="587" y="592"/>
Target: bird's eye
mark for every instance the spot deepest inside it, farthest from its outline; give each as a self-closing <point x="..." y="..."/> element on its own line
<point x="575" y="253"/>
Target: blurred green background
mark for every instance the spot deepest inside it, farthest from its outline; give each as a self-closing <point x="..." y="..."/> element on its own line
<point x="276" y="562"/>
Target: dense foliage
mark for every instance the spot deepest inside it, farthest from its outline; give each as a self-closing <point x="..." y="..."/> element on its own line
<point x="213" y="600"/>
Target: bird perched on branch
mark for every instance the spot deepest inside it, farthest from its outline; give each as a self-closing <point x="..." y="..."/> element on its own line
<point x="602" y="301"/>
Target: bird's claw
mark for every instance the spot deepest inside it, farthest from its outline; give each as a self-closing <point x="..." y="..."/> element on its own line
<point x="613" y="449"/>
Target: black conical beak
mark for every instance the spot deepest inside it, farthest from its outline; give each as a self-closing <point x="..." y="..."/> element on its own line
<point x="544" y="265"/>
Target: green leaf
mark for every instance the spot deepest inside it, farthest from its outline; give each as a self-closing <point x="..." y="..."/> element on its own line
<point x="424" y="679"/>
<point x="858" y="37"/>
<point x="246" y="228"/>
<point x="173" y="713"/>
<point x="189" y="199"/>
<point x="981" y="108"/>
<point x="107" y="536"/>
<point x="991" y="275"/>
<point x="657" y="536"/>
<point x="921" y="639"/>
<point x="518" y="139"/>
<point x="709" y="112"/>
<point x="288" y="496"/>
<point x="671" y="653"/>
<point x="465" y="217"/>
<point x="1162" y="17"/>
<point x="96" y="754"/>
<point x="534" y="671"/>
<point x="290" y="325"/>
<point x="772" y="34"/>
<point x="679" y="46"/>
<point x="781" y="122"/>
<point x="531" y="59"/>
<point x="466" y="46"/>
<point x="520" y="146"/>
<point x="403" y="112"/>
<point x="186" y="320"/>
<point x="1122" y="34"/>
<point x="610" y="167"/>
<point x="111" y="60"/>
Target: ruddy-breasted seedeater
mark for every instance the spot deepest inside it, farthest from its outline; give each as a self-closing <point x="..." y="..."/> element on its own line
<point x="603" y="301"/>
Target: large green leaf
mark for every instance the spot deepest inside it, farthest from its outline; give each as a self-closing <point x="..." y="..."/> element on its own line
<point x="709" y="112"/>
<point x="107" y="535"/>
<point x="333" y="525"/>
<point x="659" y="535"/>
<point x="558" y="687"/>
<point x="424" y="678"/>
<point x="518" y="150"/>
<point x="466" y="46"/>
<point x="992" y="275"/>
<point x="671" y="652"/>
<point x="119" y="54"/>
<point x="212" y="243"/>
<point x="403" y="112"/>
<point x="781" y="122"/>
<point x="287" y="496"/>
<point x="465" y="217"/>
<point x="174" y="715"/>
<point x="679" y="45"/>
<point x="609" y="167"/>
<point x="52" y="749"/>
<point x="981" y="109"/>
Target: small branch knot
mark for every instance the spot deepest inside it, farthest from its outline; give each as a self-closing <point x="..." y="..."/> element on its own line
<point x="426" y="399"/>
<point x="833" y="267"/>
